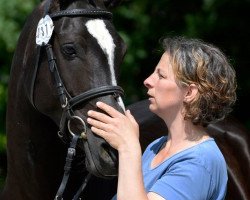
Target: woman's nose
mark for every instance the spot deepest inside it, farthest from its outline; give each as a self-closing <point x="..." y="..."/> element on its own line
<point x="147" y="82"/>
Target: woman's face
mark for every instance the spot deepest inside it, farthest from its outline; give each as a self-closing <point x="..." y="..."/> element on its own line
<point x="165" y="96"/>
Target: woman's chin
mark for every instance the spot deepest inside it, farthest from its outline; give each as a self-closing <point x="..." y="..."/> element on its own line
<point x="152" y="108"/>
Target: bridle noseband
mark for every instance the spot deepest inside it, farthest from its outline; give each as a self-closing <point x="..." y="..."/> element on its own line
<point x="66" y="100"/>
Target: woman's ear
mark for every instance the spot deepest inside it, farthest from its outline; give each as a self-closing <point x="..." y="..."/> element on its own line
<point x="191" y="93"/>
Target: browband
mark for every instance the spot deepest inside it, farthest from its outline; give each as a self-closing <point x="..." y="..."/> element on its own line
<point x="82" y="12"/>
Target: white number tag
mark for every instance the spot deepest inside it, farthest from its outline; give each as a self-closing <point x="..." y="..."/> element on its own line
<point x="44" y="30"/>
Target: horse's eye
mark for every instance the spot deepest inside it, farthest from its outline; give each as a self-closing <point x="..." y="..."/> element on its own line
<point x="69" y="50"/>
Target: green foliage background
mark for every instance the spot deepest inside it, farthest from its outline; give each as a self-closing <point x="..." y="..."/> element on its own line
<point x="141" y="23"/>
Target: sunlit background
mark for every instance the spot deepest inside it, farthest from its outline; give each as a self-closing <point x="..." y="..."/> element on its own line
<point x="141" y="23"/>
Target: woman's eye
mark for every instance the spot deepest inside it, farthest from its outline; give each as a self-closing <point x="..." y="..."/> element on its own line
<point x="160" y="75"/>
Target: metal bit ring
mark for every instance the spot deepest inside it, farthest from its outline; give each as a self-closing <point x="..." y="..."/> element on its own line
<point x="82" y="134"/>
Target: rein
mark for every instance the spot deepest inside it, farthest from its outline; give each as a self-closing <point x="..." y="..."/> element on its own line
<point x="67" y="102"/>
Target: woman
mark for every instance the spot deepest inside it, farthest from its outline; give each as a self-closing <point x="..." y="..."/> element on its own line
<point x="192" y="85"/>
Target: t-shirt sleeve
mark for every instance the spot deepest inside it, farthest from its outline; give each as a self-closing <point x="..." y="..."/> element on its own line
<point x="184" y="181"/>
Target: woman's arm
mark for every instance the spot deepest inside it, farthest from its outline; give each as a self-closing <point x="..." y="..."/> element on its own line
<point x="130" y="181"/>
<point x="122" y="133"/>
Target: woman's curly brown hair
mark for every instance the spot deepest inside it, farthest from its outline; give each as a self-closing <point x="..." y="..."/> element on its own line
<point x="204" y="65"/>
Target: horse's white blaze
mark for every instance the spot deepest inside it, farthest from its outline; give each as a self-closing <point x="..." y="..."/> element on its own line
<point x="98" y="30"/>
<point x="120" y="102"/>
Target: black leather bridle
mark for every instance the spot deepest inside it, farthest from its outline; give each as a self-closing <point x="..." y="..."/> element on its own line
<point x="66" y="100"/>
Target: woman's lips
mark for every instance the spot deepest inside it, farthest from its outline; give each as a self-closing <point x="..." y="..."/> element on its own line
<point x="150" y="97"/>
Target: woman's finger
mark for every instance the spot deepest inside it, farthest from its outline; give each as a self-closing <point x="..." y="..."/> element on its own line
<point x="98" y="124"/>
<point x="130" y="116"/>
<point x="99" y="132"/>
<point x="99" y="116"/>
<point x="108" y="109"/>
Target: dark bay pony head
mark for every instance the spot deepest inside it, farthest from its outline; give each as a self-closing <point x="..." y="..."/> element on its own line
<point x="87" y="52"/>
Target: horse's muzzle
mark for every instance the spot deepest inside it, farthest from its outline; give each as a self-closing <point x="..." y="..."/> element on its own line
<point x="101" y="158"/>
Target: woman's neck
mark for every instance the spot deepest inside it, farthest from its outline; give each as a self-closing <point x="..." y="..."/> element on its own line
<point x="185" y="131"/>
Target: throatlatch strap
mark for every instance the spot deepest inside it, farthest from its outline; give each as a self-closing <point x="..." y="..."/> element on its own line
<point x="33" y="79"/>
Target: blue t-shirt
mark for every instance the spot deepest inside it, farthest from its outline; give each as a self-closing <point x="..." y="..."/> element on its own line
<point x="197" y="173"/>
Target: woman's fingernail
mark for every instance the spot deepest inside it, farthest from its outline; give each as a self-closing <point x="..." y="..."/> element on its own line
<point x="89" y="112"/>
<point x="98" y="103"/>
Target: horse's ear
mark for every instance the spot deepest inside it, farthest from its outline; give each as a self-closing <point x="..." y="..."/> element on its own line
<point x="111" y="3"/>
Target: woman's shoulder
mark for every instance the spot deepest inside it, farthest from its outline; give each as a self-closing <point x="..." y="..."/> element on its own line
<point x="210" y="155"/>
<point x="206" y="155"/>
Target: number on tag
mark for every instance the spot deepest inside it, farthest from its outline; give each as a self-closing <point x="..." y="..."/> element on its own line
<point x="44" y="30"/>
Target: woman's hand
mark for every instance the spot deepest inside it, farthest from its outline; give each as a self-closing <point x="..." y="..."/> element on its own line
<point x="119" y="130"/>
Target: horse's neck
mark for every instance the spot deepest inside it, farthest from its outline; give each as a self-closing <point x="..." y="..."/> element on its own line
<point x="22" y="118"/>
<point x="35" y="154"/>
